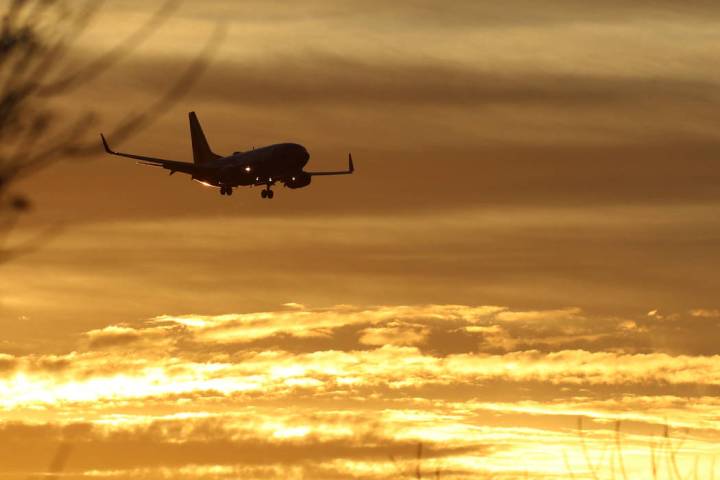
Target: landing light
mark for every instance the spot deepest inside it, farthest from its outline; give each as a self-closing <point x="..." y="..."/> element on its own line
<point x="247" y="169"/>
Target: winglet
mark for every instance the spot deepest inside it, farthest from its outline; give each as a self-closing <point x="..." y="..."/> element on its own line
<point x="351" y="167"/>
<point x="105" y="144"/>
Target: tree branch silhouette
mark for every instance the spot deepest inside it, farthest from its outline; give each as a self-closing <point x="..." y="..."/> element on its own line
<point x="36" y="37"/>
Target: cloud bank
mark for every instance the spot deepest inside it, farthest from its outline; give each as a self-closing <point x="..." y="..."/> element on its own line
<point x="334" y="392"/>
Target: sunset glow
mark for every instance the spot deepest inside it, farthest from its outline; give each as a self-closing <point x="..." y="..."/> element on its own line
<point x="518" y="281"/>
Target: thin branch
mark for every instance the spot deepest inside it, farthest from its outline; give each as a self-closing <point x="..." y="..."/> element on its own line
<point x="586" y="453"/>
<point x="35" y="38"/>
<point x="73" y="79"/>
<point x="618" y="445"/>
<point x="418" y="466"/>
<point x="34" y="244"/>
<point x="397" y="466"/>
<point x="567" y="466"/>
<point x="65" y="145"/>
<point x="136" y="122"/>
<point x="58" y="462"/>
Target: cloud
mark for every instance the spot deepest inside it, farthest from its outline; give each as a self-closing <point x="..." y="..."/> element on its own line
<point x="112" y="336"/>
<point x="202" y="358"/>
<point x="220" y="441"/>
<point x="304" y="323"/>
<point x="395" y="334"/>
<point x="565" y="315"/>
<point x="190" y="394"/>
<point x="704" y="313"/>
<point x="462" y="105"/>
<point x="7" y="363"/>
<point x="472" y="79"/>
<point x="322" y="79"/>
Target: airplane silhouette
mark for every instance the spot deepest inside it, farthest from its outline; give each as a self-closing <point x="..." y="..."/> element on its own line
<point x="266" y="166"/>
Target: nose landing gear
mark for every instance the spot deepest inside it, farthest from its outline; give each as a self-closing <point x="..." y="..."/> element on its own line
<point x="226" y="190"/>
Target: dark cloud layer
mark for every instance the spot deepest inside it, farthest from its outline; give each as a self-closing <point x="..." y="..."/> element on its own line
<point x="156" y="445"/>
<point x="602" y="259"/>
<point x="322" y="79"/>
<point x="425" y="137"/>
<point x="462" y="13"/>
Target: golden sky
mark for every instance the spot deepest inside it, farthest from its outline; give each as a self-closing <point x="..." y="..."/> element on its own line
<point x="530" y="238"/>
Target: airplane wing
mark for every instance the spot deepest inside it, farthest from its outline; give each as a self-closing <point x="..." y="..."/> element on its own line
<point x="351" y="169"/>
<point x="172" y="165"/>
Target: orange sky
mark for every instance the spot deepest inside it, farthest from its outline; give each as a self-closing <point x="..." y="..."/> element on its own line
<point x="530" y="238"/>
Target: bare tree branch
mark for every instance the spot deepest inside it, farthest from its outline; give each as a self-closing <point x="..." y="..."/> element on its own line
<point x="36" y="37"/>
<point x="75" y="78"/>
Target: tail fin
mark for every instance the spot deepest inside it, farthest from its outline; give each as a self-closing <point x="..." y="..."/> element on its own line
<point x="201" y="149"/>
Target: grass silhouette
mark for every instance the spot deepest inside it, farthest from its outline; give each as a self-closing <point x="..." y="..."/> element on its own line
<point x="418" y="470"/>
<point x="607" y="464"/>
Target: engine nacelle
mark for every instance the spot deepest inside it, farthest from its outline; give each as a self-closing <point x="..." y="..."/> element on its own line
<point x="299" y="180"/>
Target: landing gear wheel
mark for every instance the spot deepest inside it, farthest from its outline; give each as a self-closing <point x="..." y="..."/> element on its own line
<point x="270" y="194"/>
<point x="264" y="194"/>
<point x="229" y="191"/>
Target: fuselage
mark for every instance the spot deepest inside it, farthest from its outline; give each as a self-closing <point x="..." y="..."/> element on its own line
<point x="282" y="162"/>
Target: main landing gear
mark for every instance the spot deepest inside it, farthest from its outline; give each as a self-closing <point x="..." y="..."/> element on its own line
<point x="267" y="194"/>
<point x="226" y="190"/>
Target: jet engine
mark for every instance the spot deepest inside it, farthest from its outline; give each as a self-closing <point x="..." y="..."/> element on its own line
<point x="299" y="180"/>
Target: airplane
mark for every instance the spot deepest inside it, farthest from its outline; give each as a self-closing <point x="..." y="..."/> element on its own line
<point x="280" y="163"/>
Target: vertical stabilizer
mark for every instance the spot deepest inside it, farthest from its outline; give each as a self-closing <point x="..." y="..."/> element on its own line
<point x="201" y="149"/>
